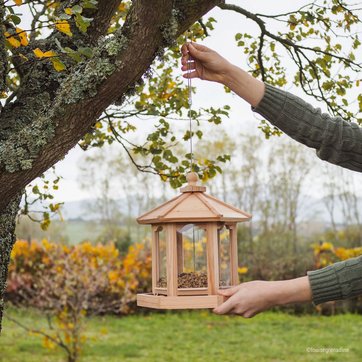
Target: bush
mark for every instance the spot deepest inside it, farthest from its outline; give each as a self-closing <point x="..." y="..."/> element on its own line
<point x="47" y="275"/>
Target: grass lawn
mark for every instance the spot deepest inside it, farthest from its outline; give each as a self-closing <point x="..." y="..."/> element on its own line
<point x="194" y="337"/>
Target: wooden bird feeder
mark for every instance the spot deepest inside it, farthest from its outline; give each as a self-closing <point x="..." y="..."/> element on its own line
<point x="194" y="249"/>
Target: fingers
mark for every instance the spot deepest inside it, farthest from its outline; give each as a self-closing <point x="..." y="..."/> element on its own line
<point x="198" y="51"/>
<point x="191" y="75"/>
<point x="199" y="47"/>
<point x="194" y="50"/>
<point x="184" y="49"/>
<point x="229" y="292"/>
<point x="188" y="66"/>
<point x="227" y="306"/>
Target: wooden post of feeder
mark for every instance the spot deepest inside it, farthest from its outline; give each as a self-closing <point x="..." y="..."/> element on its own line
<point x="212" y="259"/>
<point x="234" y="255"/>
<point x="171" y="259"/>
<point x="155" y="258"/>
<point x="180" y="253"/>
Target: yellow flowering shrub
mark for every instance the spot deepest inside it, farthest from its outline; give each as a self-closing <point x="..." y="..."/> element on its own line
<point x="43" y="273"/>
<point x="325" y="253"/>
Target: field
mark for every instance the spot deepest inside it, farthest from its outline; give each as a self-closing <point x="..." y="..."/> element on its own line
<point x="195" y="337"/>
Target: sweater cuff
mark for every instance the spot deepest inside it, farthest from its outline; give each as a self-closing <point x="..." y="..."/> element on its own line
<point x="325" y="285"/>
<point x="272" y="103"/>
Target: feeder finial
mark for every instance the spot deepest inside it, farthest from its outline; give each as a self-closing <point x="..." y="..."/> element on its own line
<point x="192" y="179"/>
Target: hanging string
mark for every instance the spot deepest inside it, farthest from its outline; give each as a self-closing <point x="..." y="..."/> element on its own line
<point x="189" y="85"/>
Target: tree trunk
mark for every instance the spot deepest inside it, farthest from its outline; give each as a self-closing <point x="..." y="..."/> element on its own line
<point x="7" y="240"/>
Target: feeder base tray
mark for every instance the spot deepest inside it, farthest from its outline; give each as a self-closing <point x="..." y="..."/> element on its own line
<point x="180" y="302"/>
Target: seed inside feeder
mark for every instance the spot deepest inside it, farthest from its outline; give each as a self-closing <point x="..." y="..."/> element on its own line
<point x="187" y="280"/>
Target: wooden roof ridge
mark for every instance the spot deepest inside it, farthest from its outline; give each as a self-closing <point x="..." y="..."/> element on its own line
<point x="207" y="204"/>
<point x="159" y="206"/>
<point x="229" y="206"/>
<point x="178" y="202"/>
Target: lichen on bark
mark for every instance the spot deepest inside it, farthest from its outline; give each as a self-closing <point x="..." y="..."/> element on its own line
<point x="170" y="29"/>
<point x="7" y="240"/>
<point x="34" y="127"/>
<point x="86" y="77"/>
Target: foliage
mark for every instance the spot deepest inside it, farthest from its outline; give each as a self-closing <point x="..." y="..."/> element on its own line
<point x="322" y="40"/>
<point x="38" y="200"/>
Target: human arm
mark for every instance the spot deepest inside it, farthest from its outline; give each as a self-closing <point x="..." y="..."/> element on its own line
<point x="334" y="139"/>
<point x="207" y="64"/>
<point x="338" y="281"/>
<point x="251" y="298"/>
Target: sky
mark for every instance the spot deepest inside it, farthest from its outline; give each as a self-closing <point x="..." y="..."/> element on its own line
<point x="208" y="94"/>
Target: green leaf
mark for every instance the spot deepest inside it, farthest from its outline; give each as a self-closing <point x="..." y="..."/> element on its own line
<point x="86" y="51"/>
<point x="58" y="64"/>
<point x="64" y="16"/>
<point x="77" y="9"/>
<point x="82" y="22"/>
<point x="15" y="19"/>
<point x="90" y="4"/>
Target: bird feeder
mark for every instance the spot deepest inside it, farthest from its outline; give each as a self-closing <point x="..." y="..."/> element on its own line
<point x="194" y="249"/>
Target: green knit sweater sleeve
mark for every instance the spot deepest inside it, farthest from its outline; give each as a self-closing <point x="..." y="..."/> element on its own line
<point x="337" y="281"/>
<point x="335" y="140"/>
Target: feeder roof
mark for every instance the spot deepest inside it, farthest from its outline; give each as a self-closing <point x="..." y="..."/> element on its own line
<point x="193" y="205"/>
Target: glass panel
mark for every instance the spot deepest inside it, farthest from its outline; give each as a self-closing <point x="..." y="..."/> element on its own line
<point x="224" y="256"/>
<point x="162" y="273"/>
<point x="191" y="257"/>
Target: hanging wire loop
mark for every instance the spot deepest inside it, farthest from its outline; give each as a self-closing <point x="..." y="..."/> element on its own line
<point x="189" y="85"/>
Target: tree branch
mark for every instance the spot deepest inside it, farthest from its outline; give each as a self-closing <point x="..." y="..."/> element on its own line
<point x="281" y="40"/>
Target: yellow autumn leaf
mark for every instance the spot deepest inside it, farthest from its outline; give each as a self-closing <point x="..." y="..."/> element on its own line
<point x="23" y="36"/>
<point x="49" y="53"/>
<point x="58" y="64"/>
<point x="122" y="7"/>
<point x="38" y="53"/>
<point x="13" y="41"/>
<point x="64" y="27"/>
<point x="18" y="2"/>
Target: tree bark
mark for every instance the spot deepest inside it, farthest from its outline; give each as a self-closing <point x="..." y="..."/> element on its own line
<point x="7" y="240"/>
